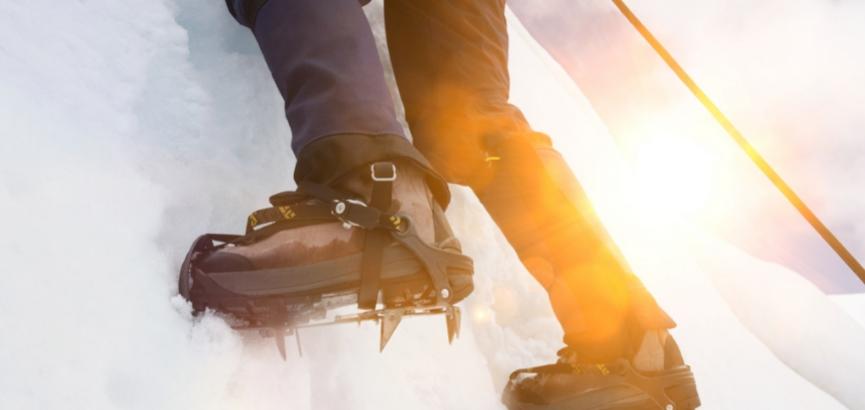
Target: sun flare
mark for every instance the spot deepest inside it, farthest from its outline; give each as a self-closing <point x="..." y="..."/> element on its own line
<point x="673" y="175"/>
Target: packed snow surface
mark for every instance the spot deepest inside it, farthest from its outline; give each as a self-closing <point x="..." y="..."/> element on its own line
<point x="128" y="128"/>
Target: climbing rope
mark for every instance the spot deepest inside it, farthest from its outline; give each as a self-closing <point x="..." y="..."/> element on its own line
<point x="743" y="143"/>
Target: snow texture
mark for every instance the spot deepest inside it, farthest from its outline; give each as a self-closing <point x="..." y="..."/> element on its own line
<point x="128" y="128"/>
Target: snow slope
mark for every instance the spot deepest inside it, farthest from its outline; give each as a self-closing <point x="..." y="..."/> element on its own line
<point x="127" y="128"/>
<point x="853" y="305"/>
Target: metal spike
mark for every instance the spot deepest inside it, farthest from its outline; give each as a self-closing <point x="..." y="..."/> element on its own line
<point x="452" y="318"/>
<point x="390" y="319"/>
<point x="299" y="346"/>
<point x="279" y="335"/>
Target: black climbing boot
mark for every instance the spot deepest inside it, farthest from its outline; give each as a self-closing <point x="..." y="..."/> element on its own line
<point x="572" y="384"/>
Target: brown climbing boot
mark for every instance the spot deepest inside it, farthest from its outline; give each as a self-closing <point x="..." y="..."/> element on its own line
<point x="314" y="243"/>
<point x="374" y="237"/>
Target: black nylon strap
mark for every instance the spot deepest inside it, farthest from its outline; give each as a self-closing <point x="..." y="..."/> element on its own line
<point x="287" y="213"/>
<point x="383" y="175"/>
<point x="353" y="211"/>
<point x="370" y="268"/>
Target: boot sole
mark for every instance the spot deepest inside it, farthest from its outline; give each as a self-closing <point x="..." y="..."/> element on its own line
<point x="297" y="295"/>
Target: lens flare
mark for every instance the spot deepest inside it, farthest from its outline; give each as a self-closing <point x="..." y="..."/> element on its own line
<point x="673" y="175"/>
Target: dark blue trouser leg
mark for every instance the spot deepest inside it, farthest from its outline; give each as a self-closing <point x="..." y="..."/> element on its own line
<point x="323" y="58"/>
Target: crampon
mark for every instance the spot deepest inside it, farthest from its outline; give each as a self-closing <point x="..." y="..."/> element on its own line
<point x="396" y="275"/>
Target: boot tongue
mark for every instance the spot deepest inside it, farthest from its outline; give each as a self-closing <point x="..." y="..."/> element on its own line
<point x="650" y="355"/>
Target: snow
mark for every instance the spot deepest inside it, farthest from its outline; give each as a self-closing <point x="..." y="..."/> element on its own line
<point x="854" y="305"/>
<point x="128" y="128"/>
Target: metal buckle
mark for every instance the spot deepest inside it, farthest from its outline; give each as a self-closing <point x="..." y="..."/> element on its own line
<point x="390" y="178"/>
<point x="341" y="207"/>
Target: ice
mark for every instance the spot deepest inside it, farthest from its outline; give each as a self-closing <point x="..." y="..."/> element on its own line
<point x="127" y="128"/>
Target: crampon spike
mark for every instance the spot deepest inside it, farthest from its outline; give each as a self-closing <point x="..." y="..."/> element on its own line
<point x="279" y="336"/>
<point x="390" y="319"/>
<point x="299" y="346"/>
<point x="452" y="319"/>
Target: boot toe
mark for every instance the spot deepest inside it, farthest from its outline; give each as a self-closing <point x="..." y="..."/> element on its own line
<point x="225" y="262"/>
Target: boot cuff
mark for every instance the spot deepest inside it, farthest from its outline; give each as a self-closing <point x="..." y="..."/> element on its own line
<point x="328" y="158"/>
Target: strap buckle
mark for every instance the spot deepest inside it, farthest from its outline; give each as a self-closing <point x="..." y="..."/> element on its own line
<point x="340" y="210"/>
<point x="379" y="172"/>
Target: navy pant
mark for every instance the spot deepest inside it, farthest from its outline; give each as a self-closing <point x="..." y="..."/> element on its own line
<point x="450" y="62"/>
<point x="323" y="58"/>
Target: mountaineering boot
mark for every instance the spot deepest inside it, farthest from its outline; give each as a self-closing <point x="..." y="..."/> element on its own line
<point x="374" y="236"/>
<point x="655" y="378"/>
<point x="309" y="244"/>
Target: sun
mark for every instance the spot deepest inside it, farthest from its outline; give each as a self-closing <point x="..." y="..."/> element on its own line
<point x="673" y="175"/>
